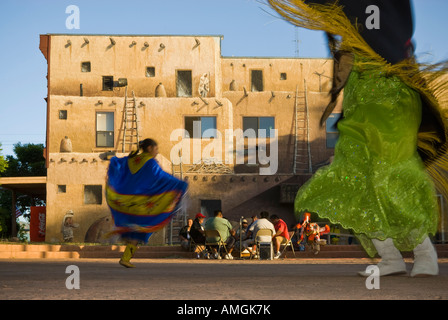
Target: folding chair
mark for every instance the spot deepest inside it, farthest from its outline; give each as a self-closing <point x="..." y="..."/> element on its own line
<point x="219" y="242"/>
<point x="199" y="246"/>
<point x="262" y="232"/>
<point x="288" y="244"/>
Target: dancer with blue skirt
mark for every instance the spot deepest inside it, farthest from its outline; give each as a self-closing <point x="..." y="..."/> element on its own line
<point x="141" y="196"/>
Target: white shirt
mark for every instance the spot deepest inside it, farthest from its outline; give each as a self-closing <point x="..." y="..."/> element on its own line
<point x="262" y="224"/>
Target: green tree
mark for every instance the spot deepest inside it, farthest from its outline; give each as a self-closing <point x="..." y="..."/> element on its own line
<point x="27" y="162"/>
<point x="3" y="166"/>
<point x="3" y="162"/>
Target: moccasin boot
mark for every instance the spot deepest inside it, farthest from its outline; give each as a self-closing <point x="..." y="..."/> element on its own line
<point x="425" y="260"/>
<point x="127" y="256"/>
<point x="392" y="262"/>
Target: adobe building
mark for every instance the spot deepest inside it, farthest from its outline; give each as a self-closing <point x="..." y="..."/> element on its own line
<point x="105" y="92"/>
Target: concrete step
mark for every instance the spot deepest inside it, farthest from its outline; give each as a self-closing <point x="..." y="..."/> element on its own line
<point x="48" y="251"/>
<point x="325" y="254"/>
<point x="66" y="251"/>
<point x="39" y="255"/>
<point x="352" y="251"/>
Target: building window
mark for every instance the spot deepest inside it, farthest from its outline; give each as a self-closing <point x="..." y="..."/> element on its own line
<point x="105" y="129"/>
<point x="259" y="123"/>
<point x="62" y="188"/>
<point x="256" y="80"/>
<point x="184" y="83"/>
<point x="108" y="83"/>
<point x="63" y="114"/>
<point x="93" y="194"/>
<point x="150" y="72"/>
<point x="85" y="66"/>
<point x="283" y="76"/>
<point x="332" y="133"/>
<point x="206" y="126"/>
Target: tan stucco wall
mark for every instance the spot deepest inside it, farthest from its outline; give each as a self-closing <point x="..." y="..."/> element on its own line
<point x="297" y="69"/>
<point x="160" y="116"/>
<point x="74" y="174"/>
<point x="123" y="61"/>
<point x="76" y="170"/>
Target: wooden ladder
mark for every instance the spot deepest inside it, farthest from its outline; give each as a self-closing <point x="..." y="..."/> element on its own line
<point x="181" y="217"/>
<point x="130" y="123"/>
<point x="302" y="152"/>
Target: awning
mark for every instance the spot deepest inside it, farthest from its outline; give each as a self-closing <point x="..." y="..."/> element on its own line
<point x="31" y="186"/>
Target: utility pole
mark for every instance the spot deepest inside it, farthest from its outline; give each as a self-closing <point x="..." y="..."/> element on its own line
<point x="296" y="41"/>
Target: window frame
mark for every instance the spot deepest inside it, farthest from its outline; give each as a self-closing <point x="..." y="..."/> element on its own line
<point x="331" y="130"/>
<point x="61" y="188"/>
<point x="89" y="66"/>
<point x="100" y="131"/>
<point x="100" y="194"/>
<point x="268" y="136"/>
<point x="251" y="80"/>
<point x="111" y="80"/>
<point x="202" y="131"/>
<point x="150" y="75"/>
<point x="63" y="113"/>
<point x="177" y="83"/>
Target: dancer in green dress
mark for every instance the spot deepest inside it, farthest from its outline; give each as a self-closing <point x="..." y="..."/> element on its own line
<point x="376" y="184"/>
<point x="392" y="137"/>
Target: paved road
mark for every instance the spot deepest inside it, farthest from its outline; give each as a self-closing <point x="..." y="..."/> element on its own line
<point x="180" y="279"/>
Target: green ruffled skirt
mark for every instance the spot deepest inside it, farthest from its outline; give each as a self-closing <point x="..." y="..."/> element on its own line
<point x="377" y="185"/>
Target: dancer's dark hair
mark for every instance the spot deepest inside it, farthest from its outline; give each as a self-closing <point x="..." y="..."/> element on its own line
<point x="142" y="146"/>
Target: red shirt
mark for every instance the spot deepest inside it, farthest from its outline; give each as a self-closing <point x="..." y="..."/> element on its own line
<point x="281" y="225"/>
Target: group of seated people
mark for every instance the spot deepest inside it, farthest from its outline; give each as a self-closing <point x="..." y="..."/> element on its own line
<point x="195" y="231"/>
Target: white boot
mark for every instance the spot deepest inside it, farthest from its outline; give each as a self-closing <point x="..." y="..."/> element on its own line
<point x="425" y="260"/>
<point x="391" y="259"/>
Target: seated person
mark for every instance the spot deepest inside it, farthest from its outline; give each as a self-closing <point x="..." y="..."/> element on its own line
<point x="226" y="231"/>
<point x="262" y="223"/>
<point x="184" y="235"/>
<point x="241" y="235"/>
<point x="197" y="230"/>
<point x="249" y="241"/>
<point x="281" y="235"/>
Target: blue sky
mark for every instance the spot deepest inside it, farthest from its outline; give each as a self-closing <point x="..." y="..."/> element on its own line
<point x="247" y="28"/>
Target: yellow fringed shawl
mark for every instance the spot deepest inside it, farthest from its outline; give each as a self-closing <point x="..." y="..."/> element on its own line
<point x="431" y="81"/>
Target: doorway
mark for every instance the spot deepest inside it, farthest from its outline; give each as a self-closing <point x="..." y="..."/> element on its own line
<point x="184" y="83"/>
<point x="208" y="207"/>
<point x="256" y="80"/>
